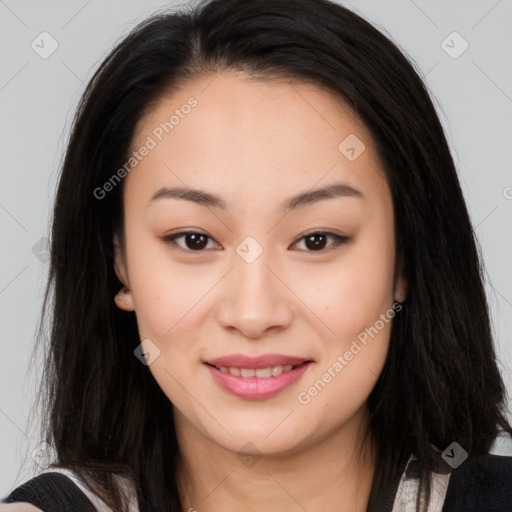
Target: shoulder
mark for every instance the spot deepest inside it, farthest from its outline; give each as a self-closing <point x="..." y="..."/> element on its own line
<point x="18" y="507"/>
<point x="47" y="491"/>
<point x="482" y="482"/>
<point x="475" y="484"/>
<point x="61" y="486"/>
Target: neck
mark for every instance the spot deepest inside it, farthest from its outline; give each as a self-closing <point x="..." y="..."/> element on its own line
<point x="334" y="473"/>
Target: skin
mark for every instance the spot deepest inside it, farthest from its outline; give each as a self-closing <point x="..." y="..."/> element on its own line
<point x="256" y="144"/>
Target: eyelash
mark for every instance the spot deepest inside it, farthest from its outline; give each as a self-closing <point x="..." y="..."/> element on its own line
<point x="338" y="239"/>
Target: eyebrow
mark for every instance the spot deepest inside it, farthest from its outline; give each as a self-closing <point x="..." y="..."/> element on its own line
<point x="300" y="200"/>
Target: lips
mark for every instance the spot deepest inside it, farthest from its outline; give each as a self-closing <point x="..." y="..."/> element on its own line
<point x="259" y="377"/>
<point x="263" y="361"/>
<point x="255" y="387"/>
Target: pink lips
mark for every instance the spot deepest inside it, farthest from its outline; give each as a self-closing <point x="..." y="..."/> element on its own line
<point x="257" y="387"/>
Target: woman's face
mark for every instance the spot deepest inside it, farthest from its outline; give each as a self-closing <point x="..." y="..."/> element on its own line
<point x="254" y="167"/>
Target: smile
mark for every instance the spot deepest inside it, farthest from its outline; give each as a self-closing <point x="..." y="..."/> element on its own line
<point x="257" y="383"/>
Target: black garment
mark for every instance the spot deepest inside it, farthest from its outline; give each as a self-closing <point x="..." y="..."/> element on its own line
<point x="52" y="492"/>
<point x="481" y="484"/>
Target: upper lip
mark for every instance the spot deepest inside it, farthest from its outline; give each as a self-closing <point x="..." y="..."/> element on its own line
<point x="263" y="361"/>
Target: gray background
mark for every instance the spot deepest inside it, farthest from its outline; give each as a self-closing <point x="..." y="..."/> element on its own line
<point x="473" y="94"/>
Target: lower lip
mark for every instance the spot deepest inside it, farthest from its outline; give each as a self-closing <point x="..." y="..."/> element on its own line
<point x="257" y="387"/>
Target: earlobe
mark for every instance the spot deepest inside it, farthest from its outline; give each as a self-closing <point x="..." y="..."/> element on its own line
<point x="400" y="282"/>
<point x="400" y="290"/>
<point x="124" y="299"/>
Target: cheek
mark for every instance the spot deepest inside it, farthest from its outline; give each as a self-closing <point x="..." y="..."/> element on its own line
<point x="359" y="310"/>
<point x="350" y="294"/>
<point x="164" y="291"/>
<point x="166" y="303"/>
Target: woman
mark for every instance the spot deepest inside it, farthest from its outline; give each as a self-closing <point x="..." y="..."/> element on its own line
<point x="265" y="279"/>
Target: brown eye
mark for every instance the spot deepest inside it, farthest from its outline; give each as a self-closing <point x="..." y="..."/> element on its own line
<point x="192" y="240"/>
<point x="316" y="241"/>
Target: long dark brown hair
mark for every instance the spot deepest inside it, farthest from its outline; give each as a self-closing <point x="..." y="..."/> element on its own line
<point x="102" y="410"/>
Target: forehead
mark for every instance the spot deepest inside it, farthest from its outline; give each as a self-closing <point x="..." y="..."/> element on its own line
<point x="239" y="133"/>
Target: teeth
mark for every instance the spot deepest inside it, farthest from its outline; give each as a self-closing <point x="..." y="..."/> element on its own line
<point x="263" y="372"/>
<point x="271" y="371"/>
<point x="277" y="370"/>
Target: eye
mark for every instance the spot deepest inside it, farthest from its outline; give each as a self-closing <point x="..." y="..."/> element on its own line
<point x="316" y="241"/>
<point x="193" y="240"/>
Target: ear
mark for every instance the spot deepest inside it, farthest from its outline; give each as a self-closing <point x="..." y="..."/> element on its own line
<point x="400" y="288"/>
<point x="123" y="299"/>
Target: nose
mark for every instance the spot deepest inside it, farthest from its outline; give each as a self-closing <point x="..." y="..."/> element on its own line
<point x="255" y="299"/>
